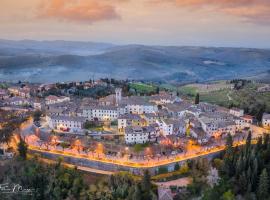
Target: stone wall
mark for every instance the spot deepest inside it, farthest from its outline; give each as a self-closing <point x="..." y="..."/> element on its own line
<point x="109" y="166"/>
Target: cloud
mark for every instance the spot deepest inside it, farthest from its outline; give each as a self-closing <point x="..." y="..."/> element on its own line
<point x="87" y="11"/>
<point x="255" y="11"/>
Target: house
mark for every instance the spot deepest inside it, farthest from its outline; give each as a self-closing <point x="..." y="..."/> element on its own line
<point x="66" y="123"/>
<point x="14" y="90"/>
<point x="138" y="134"/>
<point x="248" y="119"/>
<point x="177" y="109"/>
<point x="240" y="123"/>
<point x="21" y="92"/>
<point x="266" y="120"/>
<point x="100" y="113"/>
<point x="237" y="112"/>
<point x="37" y="104"/>
<point x="4" y="94"/>
<point x="55" y="99"/>
<point x="129" y="120"/>
<point x="24" y="92"/>
<point x="137" y="105"/>
<point x="199" y="135"/>
<point x="150" y="118"/>
<point x="216" y="126"/>
<point x="17" y="101"/>
<point x="4" y="151"/>
<point x="172" y="127"/>
<point x="165" y="98"/>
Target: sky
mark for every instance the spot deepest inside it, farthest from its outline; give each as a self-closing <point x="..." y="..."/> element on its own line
<point x="233" y="23"/>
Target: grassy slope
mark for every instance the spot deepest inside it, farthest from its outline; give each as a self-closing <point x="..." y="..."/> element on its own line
<point x="246" y="97"/>
<point x="143" y="88"/>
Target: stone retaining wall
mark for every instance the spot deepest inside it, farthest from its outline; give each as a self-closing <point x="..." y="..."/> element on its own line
<point x="110" y="166"/>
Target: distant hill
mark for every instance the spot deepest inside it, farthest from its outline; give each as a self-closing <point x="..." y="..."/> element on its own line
<point x="58" y="47"/>
<point x="49" y="61"/>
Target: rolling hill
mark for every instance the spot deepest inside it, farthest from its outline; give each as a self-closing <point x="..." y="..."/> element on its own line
<point x="48" y="61"/>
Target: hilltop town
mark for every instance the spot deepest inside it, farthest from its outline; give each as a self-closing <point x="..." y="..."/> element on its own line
<point x="119" y="122"/>
<point x="106" y="126"/>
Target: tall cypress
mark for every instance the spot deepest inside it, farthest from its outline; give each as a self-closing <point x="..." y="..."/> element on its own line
<point x="228" y="157"/>
<point x="248" y="142"/>
<point x="263" y="186"/>
<point x="197" y="98"/>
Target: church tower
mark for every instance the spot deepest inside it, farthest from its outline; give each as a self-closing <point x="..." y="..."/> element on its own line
<point x="118" y="95"/>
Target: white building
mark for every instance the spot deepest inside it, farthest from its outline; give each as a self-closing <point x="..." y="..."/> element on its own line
<point x="266" y="120"/>
<point x="162" y="99"/>
<point x="66" y="123"/>
<point x="138" y="135"/>
<point x="100" y="113"/>
<point x="172" y="127"/>
<point x="37" y="105"/>
<point x="217" y="127"/>
<point x="140" y="108"/>
<point x="129" y="120"/>
<point x="17" y="101"/>
<point x="237" y="112"/>
<point x="55" y="99"/>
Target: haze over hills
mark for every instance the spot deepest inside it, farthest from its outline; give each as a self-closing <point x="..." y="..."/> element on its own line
<point x="51" y="61"/>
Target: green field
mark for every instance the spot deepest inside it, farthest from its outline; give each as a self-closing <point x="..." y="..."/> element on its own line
<point x="188" y="91"/>
<point x="143" y="88"/>
<point x="216" y="97"/>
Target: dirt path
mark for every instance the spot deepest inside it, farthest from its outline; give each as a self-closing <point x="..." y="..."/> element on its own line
<point x="229" y="97"/>
<point x="181" y="182"/>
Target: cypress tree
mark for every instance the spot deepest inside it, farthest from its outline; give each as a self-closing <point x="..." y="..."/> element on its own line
<point x="263" y="186"/>
<point x="259" y="144"/>
<point x="266" y="140"/>
<point x="254" y="174"/>
<point x="197" y="98"/>
<point x="228" y="157"/>
<point x="146" y="182"/>
<point x="22" y="149"/>
<point x="248" y="141"/>
<point x="137" y="195"/>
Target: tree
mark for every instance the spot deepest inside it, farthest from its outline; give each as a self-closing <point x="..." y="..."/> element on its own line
<point x="228" y="195"/>
<point x="138" y="148"/>
<point x="146" y="182"/>
<point x="162" y="170"/>
<point x="137" y="195"/>
<point x="22" y="149"/>
<point x="248" y="141"/>
<point x="228" y="157"/>
<point x="36" y="115"/>
<point x="64" y="145"/>
<point x="176" y="167"/>
<point x="6" y="133"/>
<point x="197" y="98"/>
<point x="263" y="186"/>
<point x="266" y="140"/>
<point x="157" y="90"/>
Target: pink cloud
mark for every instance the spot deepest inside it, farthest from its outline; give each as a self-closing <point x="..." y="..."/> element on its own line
<point x="87" y="11"/>
<point x="255" y="11"/>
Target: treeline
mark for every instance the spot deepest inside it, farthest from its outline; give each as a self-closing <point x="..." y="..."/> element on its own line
<point x="12" y="123"/>
<point x="45" y="181"/>
<point x="56" y="182"/>
<point x="244" y="171"/>
<point x="124" y="186"/>
<point x="239" y="83"/>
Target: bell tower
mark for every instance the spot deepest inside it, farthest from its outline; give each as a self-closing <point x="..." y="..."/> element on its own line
<point x="118" y="95"/>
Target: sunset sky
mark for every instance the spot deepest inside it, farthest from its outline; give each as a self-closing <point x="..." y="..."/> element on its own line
<point x="235" y="23"/>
